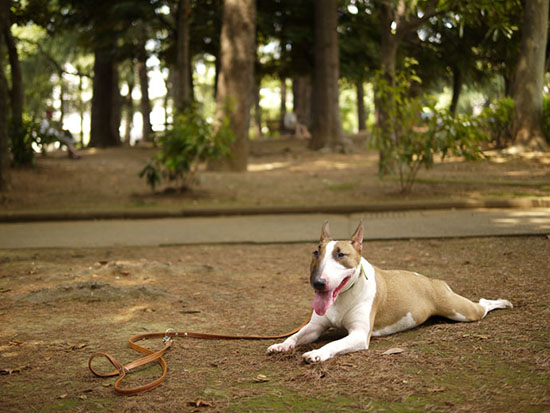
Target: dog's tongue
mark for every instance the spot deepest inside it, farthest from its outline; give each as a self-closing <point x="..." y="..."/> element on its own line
<point x="322" y="302"/>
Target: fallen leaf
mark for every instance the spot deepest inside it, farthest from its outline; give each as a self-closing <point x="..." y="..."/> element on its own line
<point x="83" y="397"/>
<point x="436" y="389"/>
<point x="63" y="396"/>
<point x="261" y="378"/>
<point x="200" y="403"/>
<point x="395" y="350"/>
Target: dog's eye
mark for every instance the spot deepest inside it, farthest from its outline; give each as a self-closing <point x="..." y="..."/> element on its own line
<point x="317" y="252"/>
<point x="340" y="255"/>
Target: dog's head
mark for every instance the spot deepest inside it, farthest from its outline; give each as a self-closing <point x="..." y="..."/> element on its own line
<point x="335" y="265"/>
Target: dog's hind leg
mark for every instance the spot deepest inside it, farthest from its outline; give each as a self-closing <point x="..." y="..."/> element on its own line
<point x="458" y="308"/>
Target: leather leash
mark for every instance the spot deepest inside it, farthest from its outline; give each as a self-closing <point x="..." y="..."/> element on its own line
<point x="156" y="356"/>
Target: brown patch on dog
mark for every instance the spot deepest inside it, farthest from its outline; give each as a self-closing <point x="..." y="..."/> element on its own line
<point x="345" y="253"/>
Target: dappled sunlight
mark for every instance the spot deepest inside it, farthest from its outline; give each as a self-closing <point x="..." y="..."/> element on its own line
<point x="268" y="166"/>
<point x="539" y="218"/>
<point x="128" y="313"/>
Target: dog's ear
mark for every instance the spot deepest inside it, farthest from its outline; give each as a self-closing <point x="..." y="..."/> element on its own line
<point x="357" y="237"/>
<point x="325" y="232"/>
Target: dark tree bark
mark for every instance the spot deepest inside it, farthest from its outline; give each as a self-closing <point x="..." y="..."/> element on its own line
<point x="458" y="82"/>
<point x="103" y="116"/>
<point x="236" y="78"/>
<point x="301" y="92"/>
<point x="282" y="108"/>
<point x="4" y="146"/>
<point x="326" y="131"/>
<point x="145" y="104"/>
<point x="16" y="91"/>
<point x="129" y="104"/>
<point x="361" y="111"/>
<point x="183" y="96"/>
<point x="529" y="78"/>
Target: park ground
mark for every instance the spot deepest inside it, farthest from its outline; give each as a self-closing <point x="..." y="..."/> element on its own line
<point x="58" y="306"/>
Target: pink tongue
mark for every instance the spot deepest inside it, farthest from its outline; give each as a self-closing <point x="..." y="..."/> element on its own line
<point x="322" y="302"/>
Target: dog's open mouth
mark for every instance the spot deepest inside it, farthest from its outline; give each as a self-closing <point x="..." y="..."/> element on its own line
<point x="324" y="299"/>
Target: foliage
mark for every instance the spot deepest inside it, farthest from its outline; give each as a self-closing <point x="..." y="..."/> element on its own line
<point x="497" y="121"/>
<point x="191" y="140"/>
<point x="420" y="132"/>
<point x="24" y="139"/>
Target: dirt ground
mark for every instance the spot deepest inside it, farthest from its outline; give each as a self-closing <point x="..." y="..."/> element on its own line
<point x="60" y="306"/>
<point x="57" y="307"/>
<point x="281" y="172"/>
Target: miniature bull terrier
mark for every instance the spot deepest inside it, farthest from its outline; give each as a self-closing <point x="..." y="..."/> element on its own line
<point x="351" y="293"/>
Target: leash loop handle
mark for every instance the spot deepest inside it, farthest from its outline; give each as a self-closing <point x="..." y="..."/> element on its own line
<point x="156" y="356"/>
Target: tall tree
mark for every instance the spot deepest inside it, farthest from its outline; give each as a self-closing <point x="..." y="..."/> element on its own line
<point x="4" y="147"/>
<point x="529" y="78"/>
<point x="326" y="130"/>
<point x="102" y="131"/>
<point x="183" y="95"/>
<point x="236" y="78"/>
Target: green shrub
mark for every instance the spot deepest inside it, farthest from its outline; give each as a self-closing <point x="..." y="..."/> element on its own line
<point x="191" y="140"/>
<point x="497" y="121"/>
<point x="419" y="132"/>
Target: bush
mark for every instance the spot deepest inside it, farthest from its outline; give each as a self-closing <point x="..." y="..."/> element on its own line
<point x="497" y="121"/>
<point x="190" y="141"/>
<point x="419" y="131"/>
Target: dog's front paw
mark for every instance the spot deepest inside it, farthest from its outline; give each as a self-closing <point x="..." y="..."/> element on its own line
<point x="316" y="356"/>
<point x="280" y="348"/>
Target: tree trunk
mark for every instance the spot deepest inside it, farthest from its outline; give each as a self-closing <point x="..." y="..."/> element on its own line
<point x="129" y="103"/>
<point x="458" y="81"/>
<point x="183" y="96"/>
<point x="361" y="112"/>
<point x="116" y="105"/>
<point x="4" y="144"/>
<point x="529" y="78"/>
<point x="236" y="78"/>
<point x="326" y="130"/>
<point x="145" y="104"/>
<point x="384" y="106"/>
<point x="282" y="108"/>
<point x="16" y="92"/>
<point x="103" y="116"/>
<point x="301" y="93"/>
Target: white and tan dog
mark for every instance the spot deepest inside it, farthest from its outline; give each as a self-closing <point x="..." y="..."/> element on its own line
<point x="350" y="293"/>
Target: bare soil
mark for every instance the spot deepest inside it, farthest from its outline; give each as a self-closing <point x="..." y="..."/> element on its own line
<point x="57" y="307"/>
<point x="60" y="306"/>
<point x="281" y="172"/>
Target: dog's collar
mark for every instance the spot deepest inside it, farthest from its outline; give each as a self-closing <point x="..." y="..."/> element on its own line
<point x="363" y="273"/>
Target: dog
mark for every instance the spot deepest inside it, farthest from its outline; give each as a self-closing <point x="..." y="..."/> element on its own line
<point x="351" y="293"/>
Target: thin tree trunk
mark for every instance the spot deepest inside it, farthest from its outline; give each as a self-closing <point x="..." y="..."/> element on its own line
<point x="529" y="78"/>
<point x="361" y="112"/>
<point x="236" y="78"/>
<point x="129" y="103"/>
<point x="458" y="81"/>
<point x="16" y="92"/>
<point x="145" y="104"/>
<point x="183" y="96"/>
<point x="282" y="108"/>
<point x="4" y="144"/>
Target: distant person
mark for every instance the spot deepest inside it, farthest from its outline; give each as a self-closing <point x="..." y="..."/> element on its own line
<point x="63" y="136"/>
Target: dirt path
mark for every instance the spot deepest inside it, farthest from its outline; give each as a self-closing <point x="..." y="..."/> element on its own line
<point x="281" y="172"/>
<point x="59" y="306"/>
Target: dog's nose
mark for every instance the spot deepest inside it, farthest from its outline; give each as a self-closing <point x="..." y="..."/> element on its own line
<point x="319" y="284"/>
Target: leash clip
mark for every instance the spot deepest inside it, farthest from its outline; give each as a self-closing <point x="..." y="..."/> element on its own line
<point x="166" y="337"/>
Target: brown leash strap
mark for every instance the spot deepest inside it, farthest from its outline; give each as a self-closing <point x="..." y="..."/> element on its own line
<point x="156" y="356"/>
